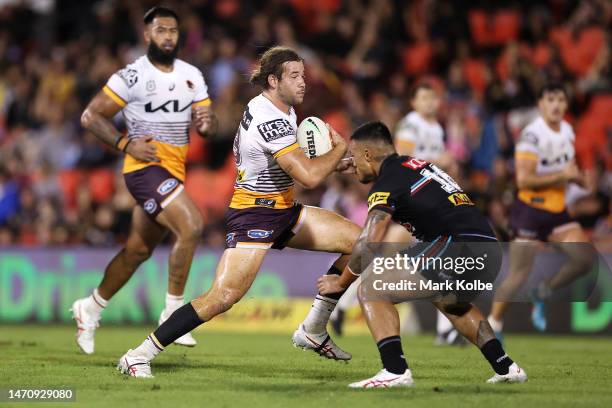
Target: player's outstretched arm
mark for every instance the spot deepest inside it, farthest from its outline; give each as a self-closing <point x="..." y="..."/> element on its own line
<point x="312" y="172"/>
<point x="526" y="176"/>
<point x="376" y="226"/>
<point x="97" y="119"/>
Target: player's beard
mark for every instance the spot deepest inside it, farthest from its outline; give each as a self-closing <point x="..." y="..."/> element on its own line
<point x="159" y="55"/>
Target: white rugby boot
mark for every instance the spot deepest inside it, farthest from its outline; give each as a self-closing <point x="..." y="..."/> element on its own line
<point x="385" y="379"/>
<point x="515" y="375"/>
<point x="86" y="326"/>
<point x="321" y="344"/>
<point x="134" y="366"/>
<point x="186" y="339"/>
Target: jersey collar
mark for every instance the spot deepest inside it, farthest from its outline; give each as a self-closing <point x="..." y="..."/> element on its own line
<point x="387" y="161"/>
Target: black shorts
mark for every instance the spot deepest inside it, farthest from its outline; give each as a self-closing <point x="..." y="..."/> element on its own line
<point x="483" y="251"/>
<point x="153" y="188"/>
<point x="261" y="227"/>
<point x="534" y="223"/>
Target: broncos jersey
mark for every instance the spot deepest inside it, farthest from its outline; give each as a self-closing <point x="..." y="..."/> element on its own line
<point x="158" y="104"/>
<point x="425" y="138"/>
<point x="552" y="151"/>
<point x="264" y="134"/>
<point x="425" y="200"/>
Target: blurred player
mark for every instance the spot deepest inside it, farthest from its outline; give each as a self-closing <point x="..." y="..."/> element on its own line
<point x="420" y="135"/>
<point x="263" y="213"/>
<point x="159" y="96"/>
<point x="545" y="165"/>
<point x="420" y="195"/>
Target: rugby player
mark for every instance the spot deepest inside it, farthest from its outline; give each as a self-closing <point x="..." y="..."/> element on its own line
<point x="421" y="196"/>
<point x="545" y="165"/>
<point x="263" y="213"/>
<point x="420" y="135"/>
<point x="159" y="96"/>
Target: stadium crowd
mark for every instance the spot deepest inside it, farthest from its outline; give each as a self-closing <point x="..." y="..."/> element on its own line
<point x="59" y="185"/>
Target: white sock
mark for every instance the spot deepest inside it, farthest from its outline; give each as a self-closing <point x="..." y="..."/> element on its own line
<point x="496" y="325"/>
<point x="173" y="302"/>
<point x="148" y="349"/>
<point x="443" y="325"/>
<point x="94" y="304"/>
<point x="317" y="318"/>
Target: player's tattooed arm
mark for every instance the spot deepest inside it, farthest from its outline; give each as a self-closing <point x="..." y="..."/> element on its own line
<point x="97" y="119"/>
<point x="374" y="231"/>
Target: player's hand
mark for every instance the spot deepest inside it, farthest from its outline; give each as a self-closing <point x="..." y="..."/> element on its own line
<point x="203" y="119"/>
<point x="338" y="141"/>
<point x="346" y="166"/>
<point x="328" y="284"/>
<point x="142" y="149"/>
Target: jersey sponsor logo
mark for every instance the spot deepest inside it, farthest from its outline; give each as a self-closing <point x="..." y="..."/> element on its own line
<point x="378" y="198"/>
<point x="266" y="202"/>
<point x="275" y="129"/>
<point x="246" y="119"/>
<point x="166" y="106"/>
<point x="167" y="186"/>
<point x="259" y="233"/>
<point x="415" y="163"/>
<point x="129" y="76"/>
<point x="150" y="206"/>
<point x="460" y="199"/>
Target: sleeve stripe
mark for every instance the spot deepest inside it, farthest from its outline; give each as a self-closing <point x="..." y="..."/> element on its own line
<point x="203" y="102"/>
<point x="118" y="100"/>
<point x="526" y="155"/>
<point x="286" y="150"/>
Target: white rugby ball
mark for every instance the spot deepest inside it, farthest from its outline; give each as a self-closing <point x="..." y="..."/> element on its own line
<point x="313" y="136"/>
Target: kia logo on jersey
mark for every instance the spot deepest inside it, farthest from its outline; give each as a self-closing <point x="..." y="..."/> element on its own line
<point x="173" y="104"/>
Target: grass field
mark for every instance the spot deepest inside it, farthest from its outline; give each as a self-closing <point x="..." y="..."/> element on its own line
<point x="264" y="370"/>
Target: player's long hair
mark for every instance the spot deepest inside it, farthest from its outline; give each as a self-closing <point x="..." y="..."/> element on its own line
<point x="271" y="63"/>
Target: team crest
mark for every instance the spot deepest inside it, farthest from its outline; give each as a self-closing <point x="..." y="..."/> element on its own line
<point x="150" y="206"/>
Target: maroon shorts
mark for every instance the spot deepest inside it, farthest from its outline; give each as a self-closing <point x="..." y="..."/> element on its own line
<point x="261" y="227"/>
<point x="153" y="188"/>
<point x="534" y="223"/>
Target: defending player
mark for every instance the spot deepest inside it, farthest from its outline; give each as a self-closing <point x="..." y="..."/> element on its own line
<point x="545" y="164"/>
<point x="264" y="215"/>
<point x="159" y="95"/>
<point x="420" y="135"/>
<point x="420" y="195"/>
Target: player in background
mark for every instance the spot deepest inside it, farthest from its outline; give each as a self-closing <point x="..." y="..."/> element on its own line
<point x="420" y="195"/>
<point x="160" y="96"/>
<point x="420" y="135"/>
<point x="263" y="213"/>
<point x="545" y="165"/>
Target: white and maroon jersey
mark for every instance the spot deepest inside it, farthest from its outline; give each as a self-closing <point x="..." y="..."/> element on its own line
<point x="425" y="138"/>
<point x="158" y="104"/>
<point x="553" y="151"/>
<point x="264" y="134"/>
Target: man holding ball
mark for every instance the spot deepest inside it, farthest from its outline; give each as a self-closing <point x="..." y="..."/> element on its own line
<point x="263" y="213"/>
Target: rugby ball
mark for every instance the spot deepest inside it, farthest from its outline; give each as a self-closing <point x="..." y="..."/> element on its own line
<point x="313" y="137"/>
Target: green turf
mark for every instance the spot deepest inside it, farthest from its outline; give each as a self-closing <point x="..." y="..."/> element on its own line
<point x="263" y="370"/>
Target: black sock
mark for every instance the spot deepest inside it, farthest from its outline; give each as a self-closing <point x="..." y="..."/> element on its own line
<point x="392" y="355"/>
<point x="334" y="271"/>
<point x="499" y="360"/>
<point x="182" y="321"/>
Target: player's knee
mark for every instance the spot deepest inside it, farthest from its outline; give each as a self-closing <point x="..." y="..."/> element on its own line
<point x="137" y="254"/>
<point x="192" y="232"/>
